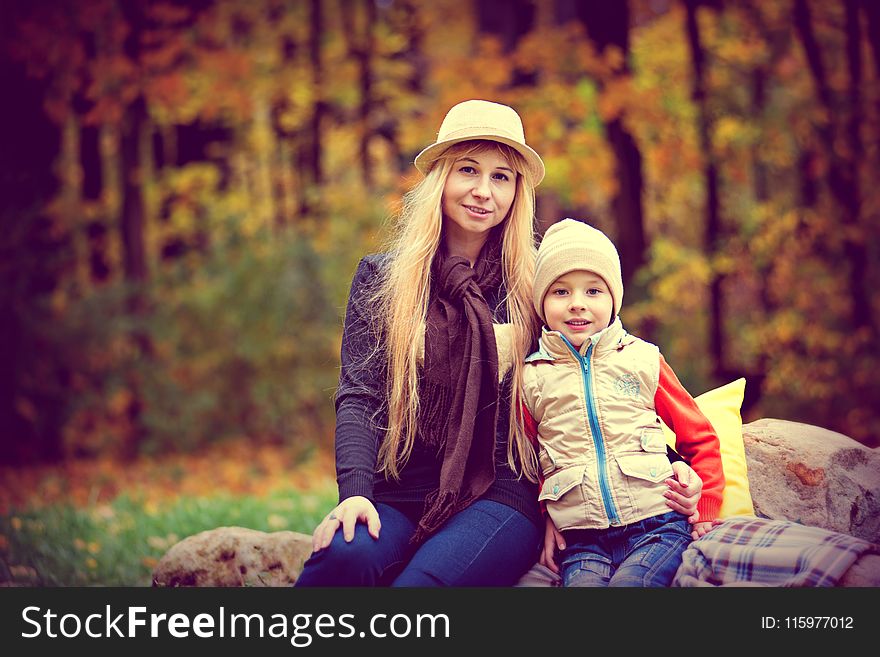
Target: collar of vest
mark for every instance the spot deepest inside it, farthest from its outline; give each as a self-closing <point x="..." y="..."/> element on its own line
<point x="552" y="345"/>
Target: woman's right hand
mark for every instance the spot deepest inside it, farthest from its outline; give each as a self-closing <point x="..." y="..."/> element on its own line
<point x="347" y="514"/>
<point x="685" y="490"/>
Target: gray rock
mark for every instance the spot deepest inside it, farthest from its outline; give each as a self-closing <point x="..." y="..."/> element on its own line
<point x="813" y="476"/>
<point x="234" y="556"/>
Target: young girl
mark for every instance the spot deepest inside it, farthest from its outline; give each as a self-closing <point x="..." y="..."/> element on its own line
<point x="435" y="474"/>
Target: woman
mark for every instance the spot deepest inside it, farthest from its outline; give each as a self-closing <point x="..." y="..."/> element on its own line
<point x="436" y="476"/>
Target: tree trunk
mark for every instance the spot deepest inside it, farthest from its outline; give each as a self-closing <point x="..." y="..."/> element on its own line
<point x="871" y="8"/>
<point x="33" y="396"/>
<point x="843" y="170"/>
<point x="414" y="50"/>
<point x="316" y="34"/>
<point x="509" y="20"/>
<point x="759" y="102"/>
<point x="713" y="234"/>
<point x="133" y="227"/>
<point x="778" y="43"/>
<point x="607" y="25"/>
<point x="361" y="45"/>
<point x="309" y="149"/>
<point x="856" y="250"/>
<point x="133" y="209"/>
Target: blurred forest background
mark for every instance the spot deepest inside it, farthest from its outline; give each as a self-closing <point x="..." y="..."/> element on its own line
<point x="187" y="188"/>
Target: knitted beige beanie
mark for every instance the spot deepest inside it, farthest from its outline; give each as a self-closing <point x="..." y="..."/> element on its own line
<point x="569" y="245"/>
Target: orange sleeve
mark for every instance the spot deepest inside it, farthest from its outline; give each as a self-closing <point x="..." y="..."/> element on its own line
<point x="695" y="438"/>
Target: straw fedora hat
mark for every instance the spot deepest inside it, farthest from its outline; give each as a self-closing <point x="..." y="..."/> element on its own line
<point x="480" y="119"/>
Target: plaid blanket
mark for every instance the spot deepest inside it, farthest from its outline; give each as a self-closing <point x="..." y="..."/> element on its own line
<point x="749" y="551"/>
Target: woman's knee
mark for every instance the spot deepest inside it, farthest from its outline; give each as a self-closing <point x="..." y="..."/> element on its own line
<point x="358" y="563"/>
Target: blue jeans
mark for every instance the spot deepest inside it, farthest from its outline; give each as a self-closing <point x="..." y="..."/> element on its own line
<point x="645" y="553"/>
<point x="486" y="544"/>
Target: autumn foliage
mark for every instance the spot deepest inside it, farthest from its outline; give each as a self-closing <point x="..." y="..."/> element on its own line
<point x="189" y="185"/>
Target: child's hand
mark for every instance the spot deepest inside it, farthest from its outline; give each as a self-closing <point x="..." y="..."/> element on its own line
<point x="702" y="528"/>
<point x="552" y="540"/>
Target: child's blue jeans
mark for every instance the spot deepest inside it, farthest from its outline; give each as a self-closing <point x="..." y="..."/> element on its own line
<point x="486" y="544"/>
<point x="645" y="553"/>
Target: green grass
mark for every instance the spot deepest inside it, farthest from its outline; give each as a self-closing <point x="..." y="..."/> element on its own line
<point x="117" y="544"/>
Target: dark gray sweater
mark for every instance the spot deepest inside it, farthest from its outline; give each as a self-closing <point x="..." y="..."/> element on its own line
<point x="361" y="411"/>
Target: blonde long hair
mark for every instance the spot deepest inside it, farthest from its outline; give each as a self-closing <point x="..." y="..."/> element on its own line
<point x="401" y="302"/>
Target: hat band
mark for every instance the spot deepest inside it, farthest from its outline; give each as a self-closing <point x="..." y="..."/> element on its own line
<point x="477" y="131"/>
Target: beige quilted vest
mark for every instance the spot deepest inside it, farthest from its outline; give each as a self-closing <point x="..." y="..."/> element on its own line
<point x="602" y="450"/>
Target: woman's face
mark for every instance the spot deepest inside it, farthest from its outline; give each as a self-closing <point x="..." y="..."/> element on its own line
<point x="477" y="195"/>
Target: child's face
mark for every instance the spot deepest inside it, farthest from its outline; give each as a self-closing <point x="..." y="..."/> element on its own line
<point x="578" y="305"/>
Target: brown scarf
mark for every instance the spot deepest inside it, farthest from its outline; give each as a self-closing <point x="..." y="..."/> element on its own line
<point x="459" y="388"/>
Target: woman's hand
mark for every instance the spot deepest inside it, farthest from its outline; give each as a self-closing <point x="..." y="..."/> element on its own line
<point x="347" y="514"/>
<point x="684" y="491"/>
<point x="552" y="540"/>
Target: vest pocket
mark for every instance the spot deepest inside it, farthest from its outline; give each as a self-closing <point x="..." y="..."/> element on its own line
<point x="563" y="492"/>
<point x="653" y="440"/>
<point x="648" y="466"/>
<point x="560" y="483"/>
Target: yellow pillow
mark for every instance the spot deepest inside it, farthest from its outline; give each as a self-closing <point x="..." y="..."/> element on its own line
<point x="722" y="407"/>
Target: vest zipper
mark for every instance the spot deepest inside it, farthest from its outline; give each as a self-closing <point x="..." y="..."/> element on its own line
<point x="598" y="439"/>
